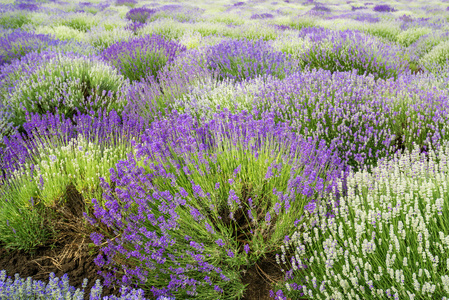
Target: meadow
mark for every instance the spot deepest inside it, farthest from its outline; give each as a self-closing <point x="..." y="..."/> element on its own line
<point x="256" y="149"/>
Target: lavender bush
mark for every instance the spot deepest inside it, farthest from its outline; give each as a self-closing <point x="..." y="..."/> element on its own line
<point x="387" y="239"/>
<point x="241" y="59"/>
<point x="437" y="57"/>
<point x="66" y="82"/>
<point x="130" y="3"/>
<point x="18" y="43"/>
<point x="13" y="19"/>
<point x="411" y="35"/>
<point x="102" y="37"/>
<point x="180" y="13"/>
<point x="59" y="154"/>
<point x="427" y="42"/>
<point x="204" y="180"/>
<point x="262" y="16"/>
<point x="79" y="21"/>
<point x="142" y="56"/>
<point x="348" y="50"/>
<point x="383" y="8"/>
<point x="140" y="14"/>
<point x="26" y="5"/>
<point x="134" y="26"/>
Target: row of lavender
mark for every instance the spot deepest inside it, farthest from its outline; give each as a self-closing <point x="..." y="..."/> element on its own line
<point x="179" y="133"/>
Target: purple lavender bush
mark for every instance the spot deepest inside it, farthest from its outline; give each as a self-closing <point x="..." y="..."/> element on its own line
<point x="242" y="59"/>
<point x="347" y="50"/>
<point x="179" y="198"/>
<point x="282" y="27"/>
<point x="19" y="42"/>
<point x="129" y="3"/>
<point x="140" y="14"/>
<point x="142" y="56"/>
<point x="179" y="13"/>
<point x="315" y="34"/>
<point x="366" y="18"/>
<point x="321" y="7"/>
<point x="261" y="16"/>
<point x="383" y="8"/>
<point x="355" y="8"/>
<point x="26" y="5"/>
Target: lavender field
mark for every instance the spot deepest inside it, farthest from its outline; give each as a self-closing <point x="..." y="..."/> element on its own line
<point x="259" y="149"/>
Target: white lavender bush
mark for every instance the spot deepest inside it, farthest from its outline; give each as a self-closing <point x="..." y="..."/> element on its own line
<point x="388" y="239"/>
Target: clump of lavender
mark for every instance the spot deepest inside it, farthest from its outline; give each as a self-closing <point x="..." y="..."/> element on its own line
<point x="411" y="35"/>
<point x="52" y="154"/>
<point x="180" y="13"/>
<point x="59" y="288"/>
<point x="188" y="71"/>
<point x="367" y="120"/>
<point x="63" y="81"/>
<point x="239" y="4"/>
<point x="320" y="7"/>
<point x="26" y="5"/>
<point x="383" y="8"/>
<point x="347" y="50"/>
<point x="142" y="56"/>
<point x="140" y="14"/>
<point x="242" y="59"/>
<point x="437" y="58"/>
<point x="129" y="3"/>
<point x="178" y="201"/>
<point x="366" y="18"/>
<point x="387" y="239"/>
<point x="355" y="8"/>
<point x="134" y="26"/>
<point x="19" y="42"/>
<point x="315" y="34"/>
<point x="261" y="16"/>
<point x="282" y="27"/>
<point x="427" y="42"/>
<point x="14" y="19"/>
